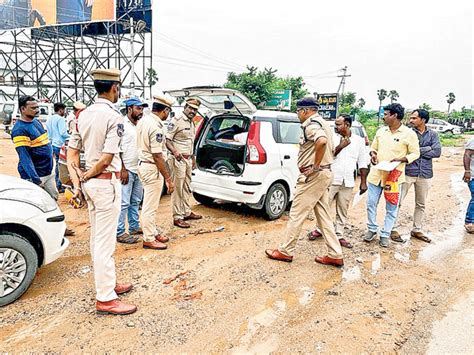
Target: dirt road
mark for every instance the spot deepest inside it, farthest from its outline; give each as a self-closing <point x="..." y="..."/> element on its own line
<point x="217" y="292"/>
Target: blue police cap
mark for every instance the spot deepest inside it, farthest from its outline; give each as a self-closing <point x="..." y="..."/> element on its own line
<point x="307" y="102"/>
<point x="134" y="101"/>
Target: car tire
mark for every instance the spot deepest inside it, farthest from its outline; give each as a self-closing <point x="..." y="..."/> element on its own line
<point x="276" y="202"/>
<point x="25" y="254"/>
<point x="203" y="200"/>
<point x="450" y="131"/>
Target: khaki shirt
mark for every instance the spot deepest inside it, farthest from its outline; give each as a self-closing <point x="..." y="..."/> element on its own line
<point x="403" y="143"/>
<point x="313" y="128"/>
<point x="99" y="130"/>
<point x="150" y="138"/>
<point x="181" y="132"/>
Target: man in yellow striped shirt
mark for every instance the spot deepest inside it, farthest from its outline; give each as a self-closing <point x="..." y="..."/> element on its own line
<point x="394" y="142"/>
<point x="33" y="147"/>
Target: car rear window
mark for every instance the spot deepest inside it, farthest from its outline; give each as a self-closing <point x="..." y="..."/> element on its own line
<point x="289" y="132"/>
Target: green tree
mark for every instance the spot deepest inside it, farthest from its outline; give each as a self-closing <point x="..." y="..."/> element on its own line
<point x="393" y="94"/>
<point x="382" y="95"/>
<point x="425" y="106"/>
<point x="360" y="103"/>
<point x="451" y="98"/>
<point x="75" y="67"/>
<point x="259" y="86"/>
<point x="348" y="99"/>
<point x="152" y="78"/>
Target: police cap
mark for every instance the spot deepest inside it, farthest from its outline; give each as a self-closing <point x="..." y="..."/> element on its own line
<point x="106" y="74"/>
<point x="307" y="102"/>
<point x="193" y="102"/>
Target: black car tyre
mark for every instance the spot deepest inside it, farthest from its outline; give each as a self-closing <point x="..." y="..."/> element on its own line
<point x="18" y="265"/>
<point x="203" y="200"/>
<point x="276" y="201"/>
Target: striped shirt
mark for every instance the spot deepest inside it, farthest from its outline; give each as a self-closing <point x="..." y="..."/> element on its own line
<point x="34" y="150"/>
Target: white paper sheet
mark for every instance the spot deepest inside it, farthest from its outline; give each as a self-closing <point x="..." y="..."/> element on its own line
<point x="386" y="165"/>
<point x="357" y="198"/>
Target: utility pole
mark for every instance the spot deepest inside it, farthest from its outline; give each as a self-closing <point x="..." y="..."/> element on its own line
<point x="132" y="58"/>
<point x="343" y="77"/>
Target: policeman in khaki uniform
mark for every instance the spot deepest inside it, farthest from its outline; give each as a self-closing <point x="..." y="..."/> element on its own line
<point x="152" y="168"/>
<point x="99" y="133"/>
<point x="312" y="189"/>
<point x="180" y="142"/>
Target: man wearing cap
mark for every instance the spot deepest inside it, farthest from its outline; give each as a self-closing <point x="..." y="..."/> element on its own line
<point x="132" y="189"/>
<point x="180" y="142"/>
<point x="99" y="133"/>
<point x="77" y="107"/>
<point x="152" y="168"/>
<point x="314" y="162"/>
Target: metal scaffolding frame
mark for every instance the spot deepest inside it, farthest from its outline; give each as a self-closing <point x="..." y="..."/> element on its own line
<point x="51" y="63"/>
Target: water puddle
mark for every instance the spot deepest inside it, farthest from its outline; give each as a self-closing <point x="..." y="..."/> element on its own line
<point x="307" y="296"/>
<point x="451" y="239"/>
<point x="404" y="257"/>
<point x="454" y="333"/>
<point x="374" y="264"/>
<point x="352" y="274"/>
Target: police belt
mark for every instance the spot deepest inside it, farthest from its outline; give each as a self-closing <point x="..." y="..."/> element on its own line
<point x="145" y="162"/>
<point x="325" y="167"/>
<point x="107" y="175"/>
<point x="185" y="156"/>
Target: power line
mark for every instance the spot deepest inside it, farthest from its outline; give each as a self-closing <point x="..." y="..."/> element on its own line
<point x="197" y="63"/>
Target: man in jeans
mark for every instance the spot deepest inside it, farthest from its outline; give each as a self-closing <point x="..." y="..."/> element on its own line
<point x="57" y="134"/>
<point x="419" y="173"/>
<point x="468" y="174"/>
<point x="132" y="189"/>
<point x="394" y="142"/>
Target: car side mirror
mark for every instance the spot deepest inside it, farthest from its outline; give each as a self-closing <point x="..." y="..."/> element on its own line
<point x="228" y="104"/>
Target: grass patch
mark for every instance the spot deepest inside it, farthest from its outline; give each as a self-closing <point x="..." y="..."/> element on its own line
<point x="451" y="140"/>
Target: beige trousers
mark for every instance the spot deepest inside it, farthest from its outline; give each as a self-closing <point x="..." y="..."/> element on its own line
<point x="342" y="196"/>
<point x="312" y="195"/>
<point x="103" y="200"/>
<point x="422" y="186"/>
<point x="181" y="175"/>
<point x="152" y="182"/>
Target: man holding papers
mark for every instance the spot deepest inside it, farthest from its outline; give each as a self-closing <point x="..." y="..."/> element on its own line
<point x="394" y="142"/>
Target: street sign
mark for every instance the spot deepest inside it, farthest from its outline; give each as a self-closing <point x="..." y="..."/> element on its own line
<point x="328" y="106"/>
<point x="281" y="100"/>
<point x="380" y="111"/>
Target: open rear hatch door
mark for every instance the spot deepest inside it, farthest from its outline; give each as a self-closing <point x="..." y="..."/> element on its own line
<point x="214" y="98"/>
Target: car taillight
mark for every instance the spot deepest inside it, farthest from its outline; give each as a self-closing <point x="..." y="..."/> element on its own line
<point x="366" y="140"/>
<point x="255" y="154"/>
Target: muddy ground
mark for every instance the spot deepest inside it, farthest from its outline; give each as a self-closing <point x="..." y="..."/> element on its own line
<point x="226" y="296"/>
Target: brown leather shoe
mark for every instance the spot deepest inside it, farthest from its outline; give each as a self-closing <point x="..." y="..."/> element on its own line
<point x="115" y="307"/>
<point x="469" y="228"/>
<point x="181" y="223"/>
<point x="344" y="243"/>
<point x="314" y="234"/>
<point x="69" y="232"/>
<point x="161" y="238"/>
<point x="275" y="254"/>
<point x="396" y="237"/>
<point x="123" y="288"/>
<point x="326" y="260"/>
<point x="192" y="216"/>
<point x="154" y="245"/>
<point x="420" y="236"/>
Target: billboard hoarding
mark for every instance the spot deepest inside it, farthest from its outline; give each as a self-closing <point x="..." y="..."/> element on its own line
<point x="328" y="106"/>
<point x="280" y="100"/>
<point x="18" y="14"/>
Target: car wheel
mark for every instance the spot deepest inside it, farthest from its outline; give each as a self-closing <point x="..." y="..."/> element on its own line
<point x="449" y="132"/>
<point x="203" y="200"/>
<point x="276" y="201"/>
<point x="18" y="265"/>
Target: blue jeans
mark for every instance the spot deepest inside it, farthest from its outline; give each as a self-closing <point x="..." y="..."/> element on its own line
<point x="470" y="208"/>
<point x="373" y="196"/>
<point x="132" y="195"/>
<point x="56" y="152"/>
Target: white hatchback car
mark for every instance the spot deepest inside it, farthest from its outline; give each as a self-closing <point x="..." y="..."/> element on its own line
<point x="31" y="235"/>
<point x="243" y="155"/>
<point x="442" y="126"/>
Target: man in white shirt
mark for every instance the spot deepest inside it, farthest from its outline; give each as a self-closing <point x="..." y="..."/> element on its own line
<point x="132" y="189"/>
<point x="350" y="153"/>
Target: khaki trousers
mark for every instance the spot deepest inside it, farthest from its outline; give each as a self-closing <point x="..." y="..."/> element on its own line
<point x="312" y="195"/>
<point x="422" y="186"/>
<point x="181" y="174"/>
<point x="152" y="182"/>
<point x="103" y="200"/>
<point x="342" y="196"/>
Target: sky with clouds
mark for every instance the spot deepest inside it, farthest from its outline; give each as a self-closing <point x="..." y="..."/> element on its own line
<point x="423" y="49"/>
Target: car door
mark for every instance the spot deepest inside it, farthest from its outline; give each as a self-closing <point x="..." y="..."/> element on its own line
<point x="289" y="132"/>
